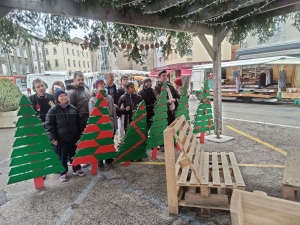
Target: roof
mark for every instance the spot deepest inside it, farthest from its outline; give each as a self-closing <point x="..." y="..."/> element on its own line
<point x="286" y="61"/>
<point x="243" y="62"/>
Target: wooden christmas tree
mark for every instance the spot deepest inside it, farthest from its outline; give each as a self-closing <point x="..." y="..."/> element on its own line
<point x="159" y="122"/>
<point x="96" y="142"/>
<point x="204" y="118"/>
<point x="32" y="156"/>
<point x="183" y="105"/>
<point x="133" y="146"/>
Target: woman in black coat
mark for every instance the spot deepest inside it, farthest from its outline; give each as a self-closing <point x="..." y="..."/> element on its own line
<point x="64" y="128"/>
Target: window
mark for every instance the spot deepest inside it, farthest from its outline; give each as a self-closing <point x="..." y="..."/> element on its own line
<point x="56" y="62"/>
<point x="68" y="51"/>
<point x="48" y="64"/>
<point x="69" y="62"/>
<point x="78" y="54"/>
<point x="79" y="63"/>
<point x="1" y="51"/>
<point x="4" y="70"/>
<point x="33" y="54"/>
<point x="21" y="68"/>
<point x="189" y="52"/>
<point x="14" y="67"/>
<point x="27" y="68"/>
<point x="82" y="54"/>
<point x="25" y="53"/>
<point x="145" y="68"/>
<point x="11" y="52"/>
<point x="46" y="51"/>
<point x="73" y="52"/>
<point x="54" y="51"/>
<point x="41" y="57"/>
<point x="88" y="64"/>
<point x="87" y="54"/>
<point x="18" y="52"/>
<point x="83" y="64"/>
<point x="74" y="63"/>
<point x="36" y="69"/>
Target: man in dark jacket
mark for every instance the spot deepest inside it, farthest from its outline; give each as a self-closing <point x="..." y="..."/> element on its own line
<point x="41" y="101"/>
<point x="130" y="101"/>
<point x="110" y="86"/>
<point x="120" y="92"/>
<point x="173" y="96"/>
<point x="79" y="97"/>
<point x="148" y="95"/>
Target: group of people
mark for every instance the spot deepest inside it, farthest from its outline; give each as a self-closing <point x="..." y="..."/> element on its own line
<point x="65" y="113"/>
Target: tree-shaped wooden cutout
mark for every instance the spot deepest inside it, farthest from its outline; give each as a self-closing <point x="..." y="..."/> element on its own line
<point x="32" y="156"/>
<point x="183" y="104"/>
<point x="159" y="122"/>
<point x="204" y="117"/>
<point x="133" y="146"/>
<point x="97" y="141"/>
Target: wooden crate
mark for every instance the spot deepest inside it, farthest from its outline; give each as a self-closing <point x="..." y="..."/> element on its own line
<point x="257" y="208"/>
<point x="202" y="179"/>
<point x="291" y="178"/>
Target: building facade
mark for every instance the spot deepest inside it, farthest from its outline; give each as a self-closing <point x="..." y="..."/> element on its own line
<point x="68" y="56"/>
<point x="22" y="60"/>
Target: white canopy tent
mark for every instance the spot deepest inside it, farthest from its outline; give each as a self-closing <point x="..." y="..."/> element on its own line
<point x="131" y="72"/>
<point x="293" y="61"/>
<point x="244" y="62"/>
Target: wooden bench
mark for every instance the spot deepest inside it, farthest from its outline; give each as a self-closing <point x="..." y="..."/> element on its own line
<point x="291" y="178"/>
<point x="202" y="179"/>
<point x="259" y="209"/>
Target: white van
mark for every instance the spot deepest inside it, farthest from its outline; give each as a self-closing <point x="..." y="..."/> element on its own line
<point x="48" y="77"/>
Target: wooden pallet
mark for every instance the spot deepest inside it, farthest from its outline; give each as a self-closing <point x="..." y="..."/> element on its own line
<point x="202" y="179"/>
<point x="259" y="209"/>
<point x="291" y="178"/>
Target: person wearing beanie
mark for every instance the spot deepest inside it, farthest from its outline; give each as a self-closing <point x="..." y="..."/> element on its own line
<point x="100" y="85"/>
<point x="127" y="104"/>
<point x="148" y="95"/>
<point x="173" y="96"/>
<point x="64" y="128"/>
<point x="178" y="84"/>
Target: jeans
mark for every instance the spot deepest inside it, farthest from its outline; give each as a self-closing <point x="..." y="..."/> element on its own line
<point x="65" y="151"/>
<point x="171" y="116"/>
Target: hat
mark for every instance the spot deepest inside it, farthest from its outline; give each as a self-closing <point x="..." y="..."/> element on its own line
<point x="146" y="79"/>
<point x="100" y="80"/>
<point x="58" y="92"/>
<point x="160" y="72"/>
<point x="128" y="85"/>
<point x="178" y="81"/>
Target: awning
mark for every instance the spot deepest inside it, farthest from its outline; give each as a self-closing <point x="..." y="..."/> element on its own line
<point x="186" y="72"/>
<point x="247" y="62"/>
<point x="285" y="61"/>
<point x="155" y="73"/>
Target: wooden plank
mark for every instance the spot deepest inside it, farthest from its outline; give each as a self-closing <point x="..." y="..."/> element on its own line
<point x="292" y="167"/>
<point x="236" y="209"/>
<point x="182" y="203"/>
<point x="183" y="132"/>
<point x="215" y="169"/>
<point x="170" y="168"/>
<point x="212" y="200"/>
<point x="226" y="171"/>
<point x="236" y="171"/>
<point x="188" y="140"/>
<point x="195" y="176"/>
<point x="181" y="121"/>
<point x="205" y="169"/>
<point x="184" y="175"/>
<point x="288" y="193"/>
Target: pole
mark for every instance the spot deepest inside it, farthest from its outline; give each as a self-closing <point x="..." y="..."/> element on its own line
<point x="217" y="85"/>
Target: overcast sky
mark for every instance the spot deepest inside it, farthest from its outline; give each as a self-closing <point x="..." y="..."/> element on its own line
<point x="77" y="33"/>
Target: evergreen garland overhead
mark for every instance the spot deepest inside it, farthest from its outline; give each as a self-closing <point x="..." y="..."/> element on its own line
<point x="56" y="27"/>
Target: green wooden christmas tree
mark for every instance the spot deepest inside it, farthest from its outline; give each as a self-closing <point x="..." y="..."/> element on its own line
<point x="183" y="105"/>
<point x="204" y="117"/>
<point x="97" y="141"/>
<point x="32" y="156"/>
<point x="133" y="146"/>
<point x="159" y="122"/>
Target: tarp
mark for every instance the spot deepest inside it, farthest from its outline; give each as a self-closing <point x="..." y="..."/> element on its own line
<point x="155" y="73"/>
<point x="247" y="62"/>
<point x="295" y="61"/>
<point x="131" y="72"/>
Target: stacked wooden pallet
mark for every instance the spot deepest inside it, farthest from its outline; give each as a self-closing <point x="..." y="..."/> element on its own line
<point x="202" y="179"/>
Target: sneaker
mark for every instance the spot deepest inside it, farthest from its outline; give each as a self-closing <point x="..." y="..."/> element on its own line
<point x="69" y="163"/>
<point x="79" y="173"/>
<point x="84" y="165"/>
<point x="64" y="178"/>
<point x="100" y="164"/>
